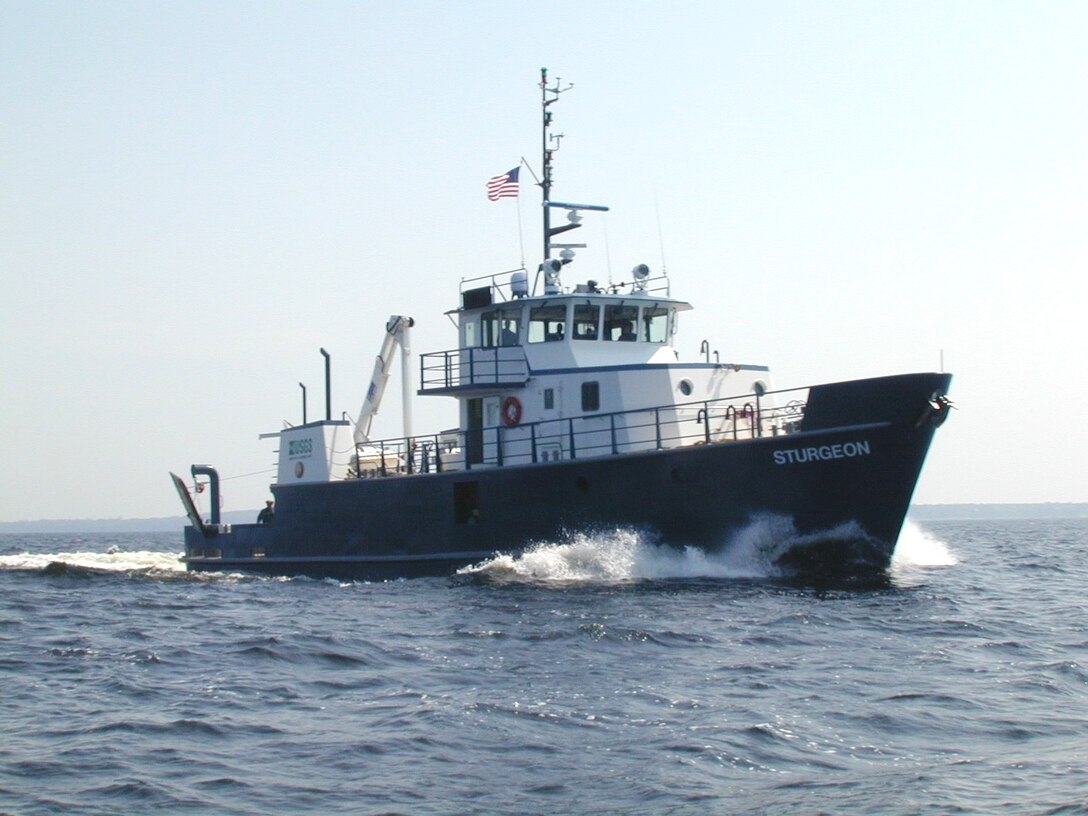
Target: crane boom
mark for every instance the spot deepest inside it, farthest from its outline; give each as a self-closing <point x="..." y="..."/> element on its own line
<point x="396" y="335"/>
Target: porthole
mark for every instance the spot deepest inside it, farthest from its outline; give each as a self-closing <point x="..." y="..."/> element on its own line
<point x="686" y="387"/>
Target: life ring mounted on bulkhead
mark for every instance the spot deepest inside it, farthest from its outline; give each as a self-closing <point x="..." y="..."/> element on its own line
<point x="511" y="412"/>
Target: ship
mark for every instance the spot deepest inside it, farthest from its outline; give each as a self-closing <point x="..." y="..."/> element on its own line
<point x="578" y="416"/>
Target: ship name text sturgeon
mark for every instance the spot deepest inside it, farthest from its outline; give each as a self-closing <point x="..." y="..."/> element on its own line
<point x="846" y="450"/>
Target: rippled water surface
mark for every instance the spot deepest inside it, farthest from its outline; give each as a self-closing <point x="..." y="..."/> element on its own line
<point x="604" y="675"/>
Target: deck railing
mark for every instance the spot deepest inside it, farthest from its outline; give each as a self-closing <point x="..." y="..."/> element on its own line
<point x="460" y="368"/>
<point x="502" y="291"/>
<point x="706" y="422"/>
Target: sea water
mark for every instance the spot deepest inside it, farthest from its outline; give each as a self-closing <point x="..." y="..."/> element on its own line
<point x="606" y="674"/>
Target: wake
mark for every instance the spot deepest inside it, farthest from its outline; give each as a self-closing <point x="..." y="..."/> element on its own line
<point x="918" y="548"/>
<point x="612" y="556"/>
<point x="623" y="554"/>
<point x="116" y="562"/>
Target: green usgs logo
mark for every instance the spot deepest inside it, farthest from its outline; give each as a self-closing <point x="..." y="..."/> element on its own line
<point x="300" y="447"/>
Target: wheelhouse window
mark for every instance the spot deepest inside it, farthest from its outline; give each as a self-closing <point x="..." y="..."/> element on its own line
<point x="620" y="322"/>
<point x="591" y="396"/>
<point x="547" y="323"/>
<point x="500" y="328"/>
<point x="587" y="318"/>
<point x="655" y="324"/>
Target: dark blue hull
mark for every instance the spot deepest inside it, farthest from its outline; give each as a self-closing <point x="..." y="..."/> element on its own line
<point x="844" y="480"/>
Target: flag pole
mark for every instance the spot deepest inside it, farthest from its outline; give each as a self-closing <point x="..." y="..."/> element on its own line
<point x="521" y="237"/>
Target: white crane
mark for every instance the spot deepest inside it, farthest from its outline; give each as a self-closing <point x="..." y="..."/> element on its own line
<point x="396" y="335"/>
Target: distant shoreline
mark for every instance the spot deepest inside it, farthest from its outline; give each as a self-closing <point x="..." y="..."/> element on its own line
<point x="918" y="512"/>
<point x="967" y="512"/>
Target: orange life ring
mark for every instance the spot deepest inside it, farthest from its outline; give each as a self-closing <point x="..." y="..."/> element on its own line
<point x="511" y="412"/>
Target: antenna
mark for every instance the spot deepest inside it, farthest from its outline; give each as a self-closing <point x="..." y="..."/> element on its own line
<point x="607" y="251"/>
<point x="660" y="235"/>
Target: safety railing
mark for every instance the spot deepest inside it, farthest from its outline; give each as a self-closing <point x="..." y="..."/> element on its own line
<point x="706" y="422"/>
<point x="404" y="457"/>
<point x="466" y="367"/>
<point x="501" y="290"/>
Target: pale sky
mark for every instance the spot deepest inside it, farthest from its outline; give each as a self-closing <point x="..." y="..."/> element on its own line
<point x="195" y="197"/>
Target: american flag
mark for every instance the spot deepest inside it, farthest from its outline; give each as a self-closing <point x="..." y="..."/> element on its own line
<point x="504" y="186"/>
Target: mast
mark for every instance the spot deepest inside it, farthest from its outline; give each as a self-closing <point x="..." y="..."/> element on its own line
<point x="550" y="144"/>
<point x="545" y="162"/>
<point x="547" y="97"/>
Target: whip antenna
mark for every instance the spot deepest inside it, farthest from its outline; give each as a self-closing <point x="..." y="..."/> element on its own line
<point x="660" y="235"/>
